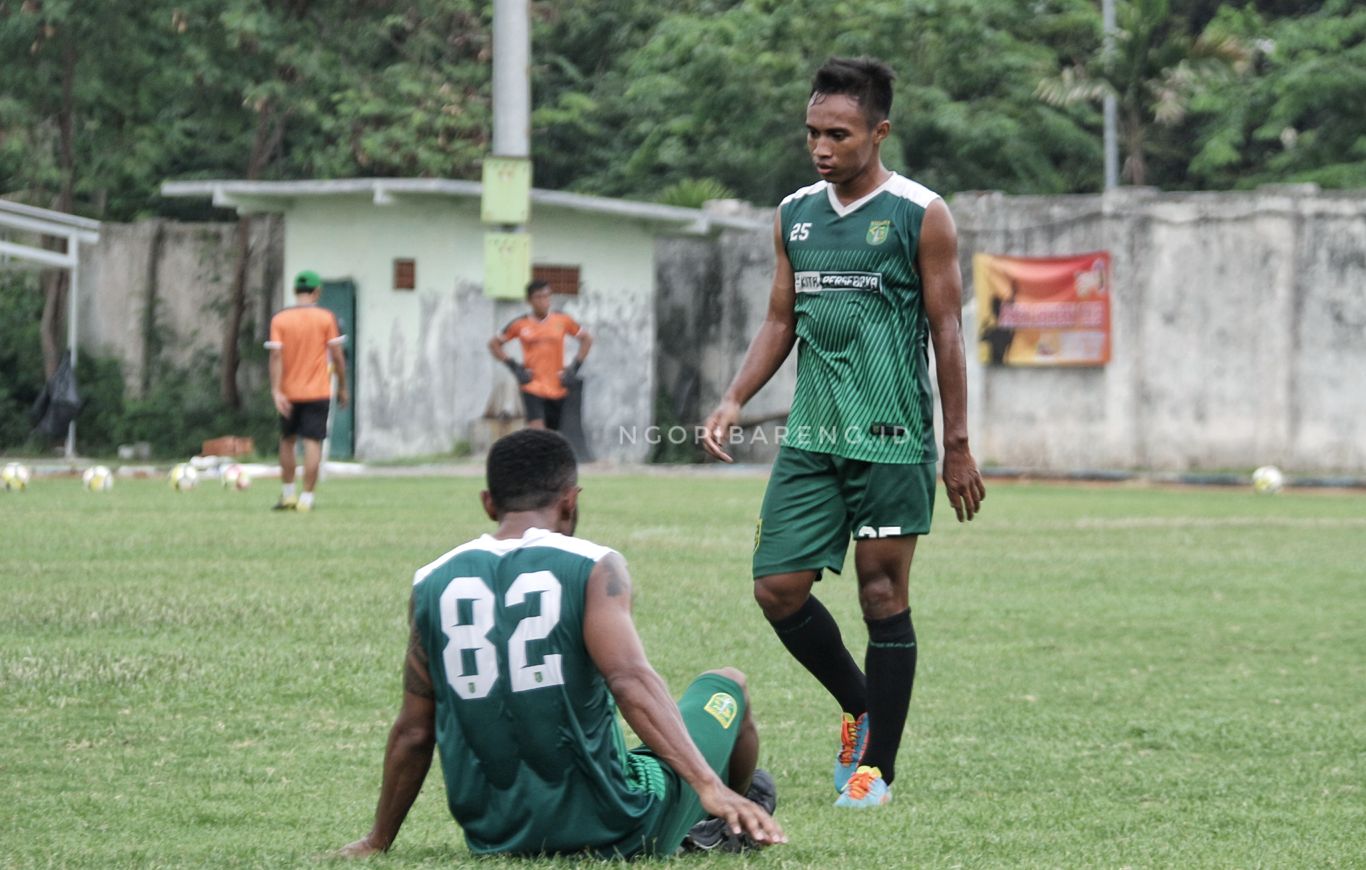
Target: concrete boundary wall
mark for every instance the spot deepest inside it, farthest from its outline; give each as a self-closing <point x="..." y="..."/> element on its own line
<point x="1239" y="326"/>
<point x="1239" y="331"/>
<point x="155" y="293"/>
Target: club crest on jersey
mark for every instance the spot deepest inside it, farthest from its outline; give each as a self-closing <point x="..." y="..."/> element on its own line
<point x="877" y="231"/>
<point x="722" y="708"/>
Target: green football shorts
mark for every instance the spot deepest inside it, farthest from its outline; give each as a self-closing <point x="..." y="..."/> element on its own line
<point x="713" y="708"/>
<point x="816" y="501"/>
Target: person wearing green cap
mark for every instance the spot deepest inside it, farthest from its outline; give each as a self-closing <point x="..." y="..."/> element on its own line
<point x="304" y="339"/>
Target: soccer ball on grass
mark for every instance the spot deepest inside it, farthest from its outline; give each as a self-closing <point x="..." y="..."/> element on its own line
<point x="235" y="477"/>
<point x="1267" y="480"/>
<point x="183" y="477"/>
<point x="98" y="478"/>
<point x="15" y="477"/>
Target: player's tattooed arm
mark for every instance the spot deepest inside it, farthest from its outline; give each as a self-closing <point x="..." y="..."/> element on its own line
<point x="417" y="678"/>
<point x="614" y="571"/>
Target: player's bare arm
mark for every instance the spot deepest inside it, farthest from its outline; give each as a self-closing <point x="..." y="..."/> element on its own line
<point x="407" y="756"/>
<point x="496" y="348"/>
<point x="585" y="344"/>
<point x="943" y="288"/>
<point x="337" y="353"/>
<point x="767" y="351"/>
<point x="277" y="373"/>
<point x="645" y="702"/>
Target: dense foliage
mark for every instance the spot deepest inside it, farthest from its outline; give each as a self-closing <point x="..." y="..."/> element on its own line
<point x="682" y="101"/>
<point x="632" y="97"/>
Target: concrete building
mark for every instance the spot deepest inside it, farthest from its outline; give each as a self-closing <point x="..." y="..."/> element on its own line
<point x="404" y="260"/>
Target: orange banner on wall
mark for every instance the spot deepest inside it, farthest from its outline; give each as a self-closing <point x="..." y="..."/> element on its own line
<point x="1043" y="311"/>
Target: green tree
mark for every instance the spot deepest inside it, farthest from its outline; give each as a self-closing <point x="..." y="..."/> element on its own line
<point x="1302" y="118"/>
<point x="413" y="97"/>
<point x="716" y="92"/>
<point x="1153" y="70"/>
<point x="81" y="116"/>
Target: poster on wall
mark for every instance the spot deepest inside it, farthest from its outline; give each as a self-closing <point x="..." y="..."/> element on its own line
<point x="1043" y="311"/>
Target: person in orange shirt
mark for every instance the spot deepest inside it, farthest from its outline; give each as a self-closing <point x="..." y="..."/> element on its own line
<point x="303" y="339"/>
<point x="544" y="378"/>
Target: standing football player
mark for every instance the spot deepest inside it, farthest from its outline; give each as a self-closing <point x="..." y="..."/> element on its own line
<point x="867" y="275"/>
<point x="306" y="350"/>
<point x="543" y="377"/>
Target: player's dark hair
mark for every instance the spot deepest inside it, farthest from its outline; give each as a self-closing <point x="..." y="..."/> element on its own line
<point x="537" y="284"/>
<point x="529" y="469"/>
<point x="866" y="80"/>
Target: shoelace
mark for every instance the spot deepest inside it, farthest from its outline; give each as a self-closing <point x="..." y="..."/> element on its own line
<point x="848" y="741"/>
<point x="861" y="782"/>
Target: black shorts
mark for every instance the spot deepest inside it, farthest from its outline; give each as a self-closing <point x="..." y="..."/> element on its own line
<point x="308" y="419"/>
<point x="538" y="408"/>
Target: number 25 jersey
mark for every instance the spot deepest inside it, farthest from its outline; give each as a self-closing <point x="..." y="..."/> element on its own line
<point x="863" y="385"/>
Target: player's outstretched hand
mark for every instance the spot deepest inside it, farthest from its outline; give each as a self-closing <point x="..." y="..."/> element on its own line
<point x="717" y="428"/>
<point x="743" y="816"/>
<point x="964" y="483"/>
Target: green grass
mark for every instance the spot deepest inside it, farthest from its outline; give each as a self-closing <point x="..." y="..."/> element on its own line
<point x="1109" y="677"/>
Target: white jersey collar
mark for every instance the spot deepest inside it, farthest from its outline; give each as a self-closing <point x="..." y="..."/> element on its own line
<point x="845" y="210"/>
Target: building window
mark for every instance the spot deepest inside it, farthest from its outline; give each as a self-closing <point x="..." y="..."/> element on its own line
<point x="562" y="279"/>
<point x="405" y="273"/>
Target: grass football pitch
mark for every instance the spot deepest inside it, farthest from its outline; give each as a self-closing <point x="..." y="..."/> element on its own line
<point x="1109" y="676"/>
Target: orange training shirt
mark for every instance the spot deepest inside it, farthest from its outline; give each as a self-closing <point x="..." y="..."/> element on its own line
<point x="302" y="334"/>
<point x="542" y="350"/>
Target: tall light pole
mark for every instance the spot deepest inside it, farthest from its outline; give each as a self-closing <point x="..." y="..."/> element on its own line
<point x="506" y="202"/>
<point x="1109" y="107"/>
<point x="505" y="206"/>
<point x="511" y="79"/>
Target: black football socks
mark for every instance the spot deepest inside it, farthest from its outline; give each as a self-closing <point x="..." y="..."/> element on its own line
<point x="890" y="665"/>
<point x="813" y="637"/>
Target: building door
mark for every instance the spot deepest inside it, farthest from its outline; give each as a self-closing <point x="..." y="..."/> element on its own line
<point x="339" y="297"/>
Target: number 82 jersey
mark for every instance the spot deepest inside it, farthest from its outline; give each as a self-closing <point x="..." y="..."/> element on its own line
<point x="533" y="758"/>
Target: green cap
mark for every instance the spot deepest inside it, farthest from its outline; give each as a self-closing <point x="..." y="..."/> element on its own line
<point x="307" y="281"/>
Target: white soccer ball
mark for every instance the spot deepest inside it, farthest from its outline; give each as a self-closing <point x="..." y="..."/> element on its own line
<point x="235" y="477"/>
<point x="15" y="477"/>
<point x="98" y="478"/>
<point x="1267" y="480"/>
<point x="183" y="477"/>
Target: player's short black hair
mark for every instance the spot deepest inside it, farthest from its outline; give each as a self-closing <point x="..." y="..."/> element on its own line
<point x="865" y="79"/>
<point x="537" y="284"/>
<point x="529" y="469"/>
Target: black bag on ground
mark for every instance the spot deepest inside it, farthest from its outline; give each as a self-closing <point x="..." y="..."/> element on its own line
<point x="59" y="402"/>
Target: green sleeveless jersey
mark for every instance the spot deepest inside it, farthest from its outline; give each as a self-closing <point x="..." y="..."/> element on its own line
<point x="863" y="385"/>
<point x="532" y="755"/>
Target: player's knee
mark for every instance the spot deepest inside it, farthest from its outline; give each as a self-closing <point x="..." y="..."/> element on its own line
<point x="735" y="675"/>
<point x="777" y="601"/>
<point x="879" y="597"/>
